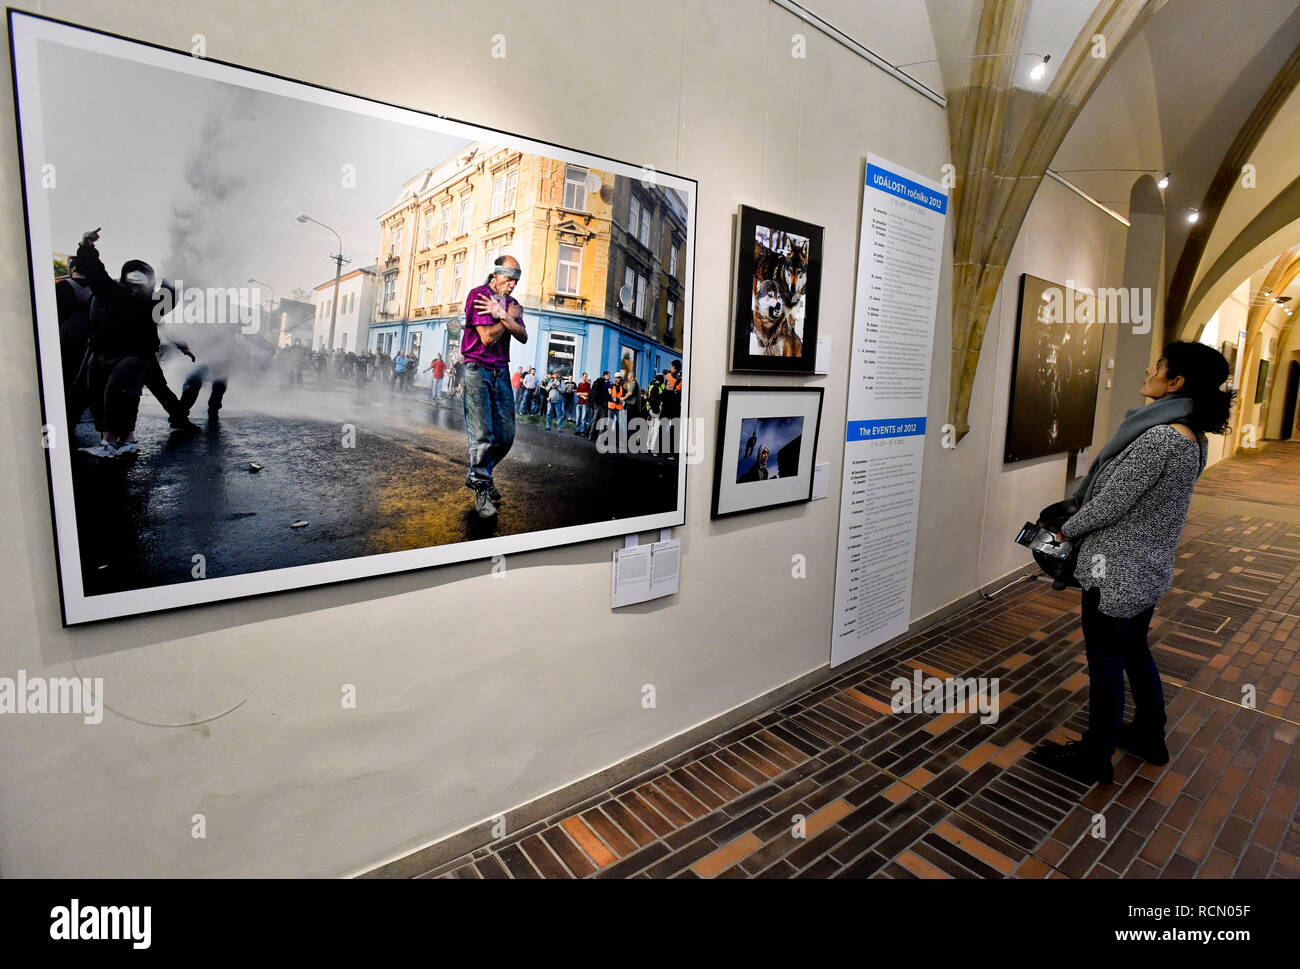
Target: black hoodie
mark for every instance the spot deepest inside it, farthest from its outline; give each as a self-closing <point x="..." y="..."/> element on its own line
<point x="123" y="322"/>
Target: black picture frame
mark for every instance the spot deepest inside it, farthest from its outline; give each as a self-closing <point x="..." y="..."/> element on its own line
<point x="726" y="476"/>
<point x="1261" y="381"/>
<point x="1055" y="372"/>
<point x="751" y="225"/>
<point x="78" y="604"/>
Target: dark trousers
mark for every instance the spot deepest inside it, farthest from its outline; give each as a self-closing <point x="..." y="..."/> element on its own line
<point x="76" y="382"/>
<point x="194" y="383"/>
<point x="156" y="384"/>
<point x="114" y="385"/>
<point x="1116" y="647"/>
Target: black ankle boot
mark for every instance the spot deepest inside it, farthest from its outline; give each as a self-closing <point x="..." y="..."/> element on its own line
<point x="1146" y="744"/>
<point x="1075" y="759"/>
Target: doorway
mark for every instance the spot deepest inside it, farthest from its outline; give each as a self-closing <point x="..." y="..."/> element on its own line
<point x="1289" y="407"/>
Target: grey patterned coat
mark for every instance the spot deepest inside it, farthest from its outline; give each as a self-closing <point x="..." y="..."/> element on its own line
<point x="1131" y="525"/>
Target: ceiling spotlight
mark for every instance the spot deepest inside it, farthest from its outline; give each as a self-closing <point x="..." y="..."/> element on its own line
<point x="1164" y="181"/>
<point x="1040" y="68"/>
<point x="1193" y="215"/>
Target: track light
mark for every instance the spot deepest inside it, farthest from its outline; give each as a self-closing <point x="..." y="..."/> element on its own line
<point x="1193" y="215"/>
<point x="1040" y="68"/>
<point x="1164" y="181"/>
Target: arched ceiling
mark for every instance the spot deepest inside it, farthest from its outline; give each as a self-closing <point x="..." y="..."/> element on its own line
<point x="1176" y="99"/>
<point x="1276" y="160"/>
<point x="1194" y="87"/>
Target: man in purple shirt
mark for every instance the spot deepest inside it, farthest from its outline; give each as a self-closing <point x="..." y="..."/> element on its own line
<point x="492" y="317"/>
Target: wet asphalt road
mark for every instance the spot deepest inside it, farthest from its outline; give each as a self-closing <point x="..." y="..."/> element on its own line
<point x="141" y="520"/>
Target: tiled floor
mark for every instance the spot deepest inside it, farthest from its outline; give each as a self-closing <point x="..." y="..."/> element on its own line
<point x="835" y="784"/>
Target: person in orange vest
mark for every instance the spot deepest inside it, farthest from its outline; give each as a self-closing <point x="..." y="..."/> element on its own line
<point x="673" y="379"/>
<point x="617" y="415"/>
<point x="672" y="407"/>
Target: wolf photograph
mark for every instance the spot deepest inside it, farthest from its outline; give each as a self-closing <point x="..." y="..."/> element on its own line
<point x="289" y="336"/>
<point x="780" y="281"/>
<point x="778" y="272"/>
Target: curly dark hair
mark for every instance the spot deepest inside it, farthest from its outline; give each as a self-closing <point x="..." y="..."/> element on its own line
<point x="1204" y="371"/>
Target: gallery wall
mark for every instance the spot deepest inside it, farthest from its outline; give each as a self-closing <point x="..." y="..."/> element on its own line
<point x="474" y="693"/>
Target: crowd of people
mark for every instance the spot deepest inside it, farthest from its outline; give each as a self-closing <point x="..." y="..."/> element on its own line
<point x="398" y="372"/>
<point x="558" y="398"/>
<point x="112" y="338"/>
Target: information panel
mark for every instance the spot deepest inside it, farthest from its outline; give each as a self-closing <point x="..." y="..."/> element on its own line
<point x="899" y="257"/>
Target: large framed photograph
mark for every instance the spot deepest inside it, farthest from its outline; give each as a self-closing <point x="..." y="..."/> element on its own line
<point x="290" y="336"/>
<point x="1056" y="370"/>
<point x="767" y="445"/>
<point x="1261" y="381"/>
<point x="778" y="266"/>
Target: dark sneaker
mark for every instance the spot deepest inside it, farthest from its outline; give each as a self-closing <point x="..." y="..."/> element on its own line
<point x="1075" y="760"/>
<point x="494" y="494"/>
<point x="483" y="504"/>
<point x="185" y="426"/>
<point x="1150" y="747"/>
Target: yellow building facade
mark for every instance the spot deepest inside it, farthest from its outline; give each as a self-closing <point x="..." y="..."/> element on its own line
<point x="602" y="257"/>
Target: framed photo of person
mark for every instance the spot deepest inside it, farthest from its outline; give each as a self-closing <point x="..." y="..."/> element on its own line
<point x="778" y="285"/>
<point x="767" y="444"/>
<point x="161" y="502"/>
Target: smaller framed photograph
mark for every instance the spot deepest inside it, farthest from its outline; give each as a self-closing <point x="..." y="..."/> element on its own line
<point x="1229" y="351"/>
<point x="767" y="443"/>
<point x="778" y="264"/>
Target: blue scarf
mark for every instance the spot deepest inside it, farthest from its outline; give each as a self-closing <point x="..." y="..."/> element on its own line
<point x="1167" y="410"/>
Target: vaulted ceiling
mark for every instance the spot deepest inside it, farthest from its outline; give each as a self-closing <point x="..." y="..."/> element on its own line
<point x="1176" y="100"/>
<point x="1194" y="87"/>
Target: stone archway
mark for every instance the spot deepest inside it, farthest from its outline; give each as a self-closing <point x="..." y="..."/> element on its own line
<point x="1136" y="346"/>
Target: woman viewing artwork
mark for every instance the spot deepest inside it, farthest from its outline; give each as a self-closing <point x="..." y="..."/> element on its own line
<point x="1132" y="506"/>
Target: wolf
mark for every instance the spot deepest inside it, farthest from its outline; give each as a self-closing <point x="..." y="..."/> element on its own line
<point x="779" y="282"/>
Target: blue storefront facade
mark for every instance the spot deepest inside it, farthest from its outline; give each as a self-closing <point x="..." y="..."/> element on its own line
<point x="564" y="343"/>
<point x="561" y="342"/>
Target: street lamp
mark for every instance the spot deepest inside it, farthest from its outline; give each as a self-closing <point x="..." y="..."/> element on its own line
<point x="268" y="286"/>
<point x="338" y="271"/>
<point x="271" y="308"/>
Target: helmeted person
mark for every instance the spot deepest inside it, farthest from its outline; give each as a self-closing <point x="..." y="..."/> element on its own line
<point x="123" y="346"/>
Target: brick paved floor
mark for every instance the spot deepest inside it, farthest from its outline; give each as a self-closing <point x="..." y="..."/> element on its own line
<point x="836" y="785"/>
